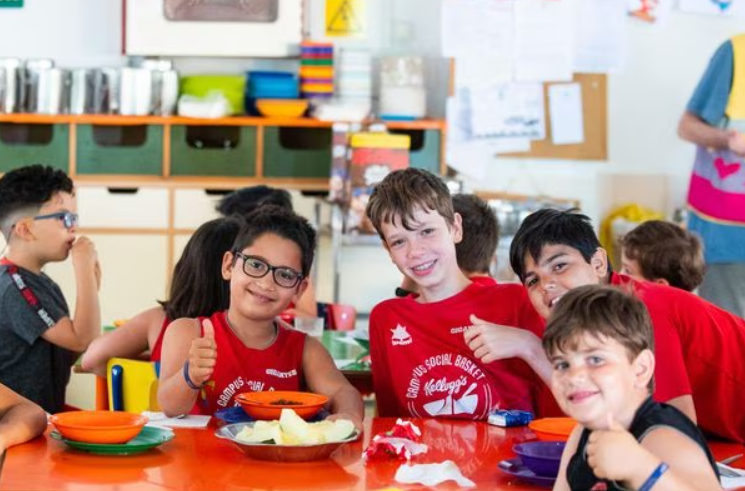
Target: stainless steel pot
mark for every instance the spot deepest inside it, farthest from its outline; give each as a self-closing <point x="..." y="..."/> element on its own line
<point x="81" y="91"/>
<point x="135" y="91"/>
<point x="52" y="91"/>
<point x="12" y="81"/>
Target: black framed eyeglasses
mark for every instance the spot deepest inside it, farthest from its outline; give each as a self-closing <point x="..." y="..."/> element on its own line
<point x="68" y="218"/>
<point x="256" y="267"/>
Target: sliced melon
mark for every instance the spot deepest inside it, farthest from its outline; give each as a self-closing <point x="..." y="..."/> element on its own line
<point x="294" y="427"/>
<point x="341" y="429"/>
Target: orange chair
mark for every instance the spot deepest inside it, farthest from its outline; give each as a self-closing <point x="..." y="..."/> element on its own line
<point x="340" y="317"/>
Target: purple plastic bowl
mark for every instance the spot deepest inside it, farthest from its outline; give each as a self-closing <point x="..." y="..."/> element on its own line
<point x="543" y="458"/>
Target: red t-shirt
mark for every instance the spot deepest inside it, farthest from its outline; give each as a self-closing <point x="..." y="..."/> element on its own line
<point x="422" y="366"/>
<point x="483" y="280"/>
<point x="241" y="369"/>
<point x="158" y="346"/>
<point x="699" y="350"/>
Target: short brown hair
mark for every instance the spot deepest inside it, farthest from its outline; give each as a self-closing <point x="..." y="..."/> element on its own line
<point x="402" y="192"/>
<point x="665" y="250"/>
<point x="480" y="233"/>
<point x="601" y="311"/>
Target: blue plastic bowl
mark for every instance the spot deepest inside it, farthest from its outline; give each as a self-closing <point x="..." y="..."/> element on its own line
<point x="543" y="458"/>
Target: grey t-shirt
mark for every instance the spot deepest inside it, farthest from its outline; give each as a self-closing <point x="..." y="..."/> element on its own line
<point x="30" y="365"/>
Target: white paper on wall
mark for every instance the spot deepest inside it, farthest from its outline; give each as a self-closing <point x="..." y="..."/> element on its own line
<point x="544" y="40"/>
<point x="723" y="8"/>
<point x="513" y="110"/>
<point x="600" y="36"/>
<point x="479" y="33"/>
<point x="565" y="109"/>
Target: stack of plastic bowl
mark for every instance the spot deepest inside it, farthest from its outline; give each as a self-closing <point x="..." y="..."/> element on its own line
<point x="269" y="85"/>
<point x="316" y="70"/>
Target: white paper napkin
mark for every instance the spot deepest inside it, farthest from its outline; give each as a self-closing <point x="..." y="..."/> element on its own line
<point x="188" y="421"/>
<point x="731" y="482"/>
<point x="432" y="474"/>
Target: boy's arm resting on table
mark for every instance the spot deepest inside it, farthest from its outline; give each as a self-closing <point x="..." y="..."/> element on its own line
<point x="570" y="449"/>
<point x="615" y="454"/>
<point x="491" y="342"/>
<point x="76" y="334"/>
<point x="127" y="341"/>
<point x="183" y="342"/>
<point x="322" y="377"/>
<point x="20" y="419"/>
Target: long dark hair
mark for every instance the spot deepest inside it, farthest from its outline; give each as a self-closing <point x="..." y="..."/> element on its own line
<point x="197" y="287"/>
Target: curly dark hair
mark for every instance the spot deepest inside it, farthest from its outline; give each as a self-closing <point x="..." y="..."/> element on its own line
<point x="272" y="219"/>
<point x="27" y="189"/>
<point x="245" y="200"/>
<point x="665" y="250"/>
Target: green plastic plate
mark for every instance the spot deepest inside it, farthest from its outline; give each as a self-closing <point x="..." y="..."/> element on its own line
<point x="149" y="437"/>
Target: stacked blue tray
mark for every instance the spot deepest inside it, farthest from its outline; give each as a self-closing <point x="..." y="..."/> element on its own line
<point x="269" y="85"/>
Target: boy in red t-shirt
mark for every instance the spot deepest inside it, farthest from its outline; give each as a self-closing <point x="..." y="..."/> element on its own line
<point x="698" y="345"/>
<point x="421" y="363"/>
<point x="205" y="363"/>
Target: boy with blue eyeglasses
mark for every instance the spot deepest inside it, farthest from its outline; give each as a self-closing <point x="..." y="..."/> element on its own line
<point x="40" y="340"/>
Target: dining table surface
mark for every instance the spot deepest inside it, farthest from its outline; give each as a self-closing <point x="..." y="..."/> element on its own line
<point x="197" y="460"/>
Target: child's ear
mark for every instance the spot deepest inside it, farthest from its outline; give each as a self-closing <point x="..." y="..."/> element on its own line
<point x="643" y="367"/>
<point x="457" y="228"/>
<point x="227" y="265"/>
<point x="662" y="281"/>
<point x="599" y="262"/>
<point x="301" y="287"/>
<point x="22" y="229"/>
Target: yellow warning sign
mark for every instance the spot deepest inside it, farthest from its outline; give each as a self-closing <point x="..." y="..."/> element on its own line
<point x="344" y="18"/>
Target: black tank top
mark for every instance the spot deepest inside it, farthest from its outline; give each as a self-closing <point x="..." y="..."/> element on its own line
<point x="649" y="415"/>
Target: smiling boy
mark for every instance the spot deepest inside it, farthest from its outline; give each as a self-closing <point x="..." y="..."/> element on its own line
<point x="421" y="363"/>
<point x="699" y="366"/>
<point x="600" y="343"/>
<point x="40" y="340"/>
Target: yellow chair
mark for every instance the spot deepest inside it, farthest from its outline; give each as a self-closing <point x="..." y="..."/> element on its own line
<point x="132" y="385"/>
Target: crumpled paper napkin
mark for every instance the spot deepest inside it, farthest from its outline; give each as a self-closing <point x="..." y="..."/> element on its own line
<point x="432" y="474"/>
<point x="727" y="476"/>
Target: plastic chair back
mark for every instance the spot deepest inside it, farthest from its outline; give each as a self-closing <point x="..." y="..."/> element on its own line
<point x="341" y="317"/>
<point x="133" y="385"/>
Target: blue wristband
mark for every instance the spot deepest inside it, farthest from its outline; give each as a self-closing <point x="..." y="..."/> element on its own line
<point x="652" y="479"/>
<point x="189" y="381"/>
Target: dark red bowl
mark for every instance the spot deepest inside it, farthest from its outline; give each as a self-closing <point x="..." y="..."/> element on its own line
<point x="543" y="458"/>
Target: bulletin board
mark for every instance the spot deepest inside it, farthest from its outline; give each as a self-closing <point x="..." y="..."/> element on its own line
<point x="595" y="120"/>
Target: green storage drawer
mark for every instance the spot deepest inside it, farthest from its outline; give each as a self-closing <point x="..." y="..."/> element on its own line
<point x="297" y="152"/>
<point x="104" y="149"/>
<point x="213" y="151"/>
<point x="24" y="144"/>
<point x="425" y="148"/>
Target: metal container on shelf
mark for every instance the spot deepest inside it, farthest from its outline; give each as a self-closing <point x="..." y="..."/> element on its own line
<point x="32" y="68"/>
<point x="81" y="90"/>
<point x="167" y="93"/>
<point x="12" y="85"/>
<point x="52" y="91"/>
<point x="135" y="91"/>
<point x="105" y="91"/>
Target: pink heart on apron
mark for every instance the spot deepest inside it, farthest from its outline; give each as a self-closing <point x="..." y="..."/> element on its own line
<point x="725" y="169"/>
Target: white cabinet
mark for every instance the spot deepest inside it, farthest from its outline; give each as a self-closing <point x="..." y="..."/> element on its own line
<point x="170" y="28"/>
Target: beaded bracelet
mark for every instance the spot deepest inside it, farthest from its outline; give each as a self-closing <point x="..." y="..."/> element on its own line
<point x="652" y="479"/>
<point x="188" y="379"/>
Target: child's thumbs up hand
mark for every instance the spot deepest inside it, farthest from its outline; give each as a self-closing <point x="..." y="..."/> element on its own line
<point x="490" y="342"/>
<point x="203" y="355"/>
<point x="614" y="453"/>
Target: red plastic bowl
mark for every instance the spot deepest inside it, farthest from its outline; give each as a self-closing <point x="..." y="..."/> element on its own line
<point x="98" y="426"/>
<point x="268" y="405"/>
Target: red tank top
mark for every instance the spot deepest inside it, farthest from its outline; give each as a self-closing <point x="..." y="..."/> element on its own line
<point x="158" y="346"/>
<point x="242" y="369"/>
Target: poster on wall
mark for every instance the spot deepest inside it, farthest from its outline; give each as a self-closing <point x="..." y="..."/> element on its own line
<point x="721" y="8"/>
<point x="11" y="3"/>
<point x="650" y="11"/>
<point x="345" y="18"/>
